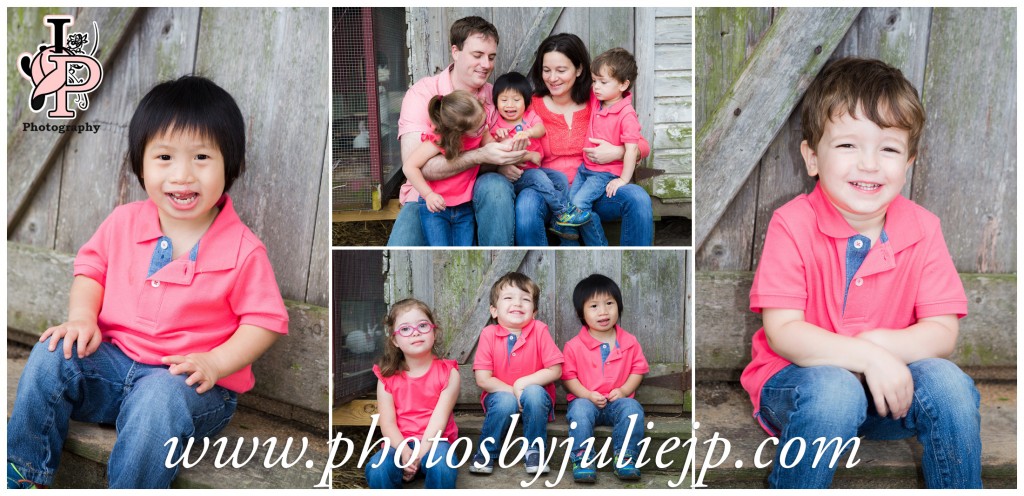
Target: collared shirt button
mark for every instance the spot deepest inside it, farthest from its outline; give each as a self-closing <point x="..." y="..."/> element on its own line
<point x="156" y="284"/>
<point x="858" y="244"/>
<point x="513" y="354"/>
<point x="859" y="282"/>
<point x="163" y="244"/>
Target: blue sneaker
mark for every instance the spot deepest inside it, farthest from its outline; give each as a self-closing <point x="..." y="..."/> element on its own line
<point x="564" y="232"/>
<point x="533" y="463"/>
<point x="580" y="473"/>
<point x="627" y="470"/>
<point x="17" y="481"/>
<point x="573" y="217"/>
<point x="477" y="466"/>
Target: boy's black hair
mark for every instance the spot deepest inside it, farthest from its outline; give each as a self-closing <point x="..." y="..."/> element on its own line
<point x="516" y="82"/>
<point x="190" y="104"/>
<point x="593" y="285"/>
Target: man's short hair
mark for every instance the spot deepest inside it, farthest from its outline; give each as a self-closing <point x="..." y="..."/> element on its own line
<point x="620" y="63"/>
<point x="463" y="28"/>
<point x="878" y="90"/>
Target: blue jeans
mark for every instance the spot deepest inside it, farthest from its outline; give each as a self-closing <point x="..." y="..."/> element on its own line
<point x="389" y="475"/>
<point x="493" y="205"/>
<point x="830" y="401"/>
<point x="588" y="187"/>
<point x="146" y="403"/>
<point x="631" y="204"/>
<point x="498" y="419"/>
<point x="551" y="184"/>
<point x="616" y="414"/>
<point x="452" y="226"/>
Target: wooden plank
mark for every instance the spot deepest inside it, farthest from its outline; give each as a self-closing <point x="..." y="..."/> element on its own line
<point x="688" y="310"/>
<point x="673" y="83"/>
<point x="389" y="212"/>
<point x="643" y="87"/>
<point x="293" y="372"/>
<point x="674" y="161"/>
<point x="523" y="54"/>
<point x="675" y="29"/>
<point x="967" y="167"/>
<point x="461" y="345"/>
<point x="668" y="187"/>
<point x="354" y="413"/>
<point x="161" y="47"/>
<point x="653" y="295"/>
<point x="760" y="100"/>
<point x="30" y="154"/>
<point x="285" y="117"/>
<point x="575" y="20"/>
<point x="675" y="136"/>
<point x="38" y="226"/>
<point x="319" y="260"/>
<point x="609" y="28"/>
<point x="673" y="109"/>
<point x="988" y="335"/>
<point x="677" y="57"/>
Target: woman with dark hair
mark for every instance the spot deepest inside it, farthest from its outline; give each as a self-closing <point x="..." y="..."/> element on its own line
<point x="561" y="79"/>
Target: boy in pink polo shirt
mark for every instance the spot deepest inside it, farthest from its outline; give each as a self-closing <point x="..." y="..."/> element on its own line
<point x="604" y="365"/>
<point x="516" y="365"/>
<point x="173" y="299"/>
<point x="613" y="120"/>
<point x="858" y="293"/>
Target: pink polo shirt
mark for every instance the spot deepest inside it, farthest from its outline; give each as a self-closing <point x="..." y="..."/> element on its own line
<point x="583" y="362"/>
<point x="415" y="119"/>
<point x="457" y="189"/>
<point x="185" y="307"/>
<point x="416" y="397"/>
<point x="616" y="124"/>
<point x="529" y="120"/>
<point x="534" y="350"/>
<point x="803" y="265"/>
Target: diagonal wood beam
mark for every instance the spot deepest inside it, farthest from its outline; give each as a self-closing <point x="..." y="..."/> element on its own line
<point x="31" y="154"/>
<point x="543" y="22"/>
<point x="759" y="102"/>
<point x="468" y="325"/>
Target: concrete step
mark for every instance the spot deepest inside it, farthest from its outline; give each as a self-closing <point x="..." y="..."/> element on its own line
<point x="87" y="450"/>
<point x="724" y="407"/>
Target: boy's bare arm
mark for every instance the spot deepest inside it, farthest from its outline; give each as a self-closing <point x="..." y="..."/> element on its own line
<point x="86" y="299"/>
<point x="628" y="167"/>
<point x="485" y="380"/>
<point x="627" y="388"/>
<point x="930" y="337"/>
<point x="808" y="345"/>
<point x="438" y="167"/>
<point x="243" y="347"/>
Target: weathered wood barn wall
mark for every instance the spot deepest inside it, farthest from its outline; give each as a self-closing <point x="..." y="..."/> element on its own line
<point x="275" y="64"/>
<point x="753" y="66"/>
<point x="659" y="38"/>
<point x="657" y="299"/>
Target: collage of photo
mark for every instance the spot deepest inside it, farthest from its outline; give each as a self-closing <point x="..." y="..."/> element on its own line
<point x="483" y="248"/>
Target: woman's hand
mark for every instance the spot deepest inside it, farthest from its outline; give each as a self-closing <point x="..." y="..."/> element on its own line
<point x="603" y="152"/>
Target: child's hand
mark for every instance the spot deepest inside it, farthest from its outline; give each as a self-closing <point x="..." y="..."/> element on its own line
<point x="435" y="202"/>
<point x="201" y="367"/>
<point x="500" y="134"/>
<point x="597" y="399"/>
<point x="522" y="137"/>
<point x="614" y="186"/>
<point x="616" y="394"/>
<point x="410" y="467"/>
<point x="890" y="384"/>
<point x="84" y="332"/>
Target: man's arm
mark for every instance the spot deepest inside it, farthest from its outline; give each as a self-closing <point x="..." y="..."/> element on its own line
<point x="438" y="167"/>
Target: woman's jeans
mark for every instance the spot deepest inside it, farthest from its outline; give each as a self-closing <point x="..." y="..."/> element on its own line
<point x="387" y="474"/>
<point x="147" y="404"/>
<point x="498" y="419"/>
<point x="830" y="402"/>
<point x="616" y="413"/>
<point x="452" y="226"/>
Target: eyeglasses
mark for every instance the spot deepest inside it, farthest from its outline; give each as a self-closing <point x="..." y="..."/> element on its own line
<point x="424" y="327"/>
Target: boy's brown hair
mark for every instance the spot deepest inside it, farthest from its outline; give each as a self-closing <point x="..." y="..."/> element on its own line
<point x="620" y="63"/>
<point x="393" y="360"/>
<point x="468" y="26"/>
<point x="516" y="280"/>
<point x="879" y="90"/>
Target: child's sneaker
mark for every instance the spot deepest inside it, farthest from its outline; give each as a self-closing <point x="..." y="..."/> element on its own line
<point x="477" y="466"/>
<point x="573" y="217"/>
<point x="580" y="473"/>
<point x="564" y="232"/>
<point x="17" y="481"/>
<point x="533" y="463"/>
<point x="628" y="470"/>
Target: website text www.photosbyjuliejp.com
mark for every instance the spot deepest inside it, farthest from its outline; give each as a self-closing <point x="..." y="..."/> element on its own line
<point x="513" y="450"/>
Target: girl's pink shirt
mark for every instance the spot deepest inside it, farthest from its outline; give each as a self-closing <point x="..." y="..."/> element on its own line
<point x="185" y="307"/>
<point x="457" y="189"/>
<point x="416" y="397"/>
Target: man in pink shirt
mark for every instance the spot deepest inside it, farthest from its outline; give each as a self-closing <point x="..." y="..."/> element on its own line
<point x="474" y="46"/>
<point x="859" y="296"/>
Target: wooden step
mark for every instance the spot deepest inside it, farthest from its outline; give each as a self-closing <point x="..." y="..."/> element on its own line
<point x="87" y="450"/>
<point x="724" y="407"/>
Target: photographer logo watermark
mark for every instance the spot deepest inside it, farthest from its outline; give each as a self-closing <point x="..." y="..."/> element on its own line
<point x="62" y="69"/>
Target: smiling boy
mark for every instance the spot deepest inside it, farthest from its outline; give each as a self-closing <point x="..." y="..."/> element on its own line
<point x="858" y="293"/>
